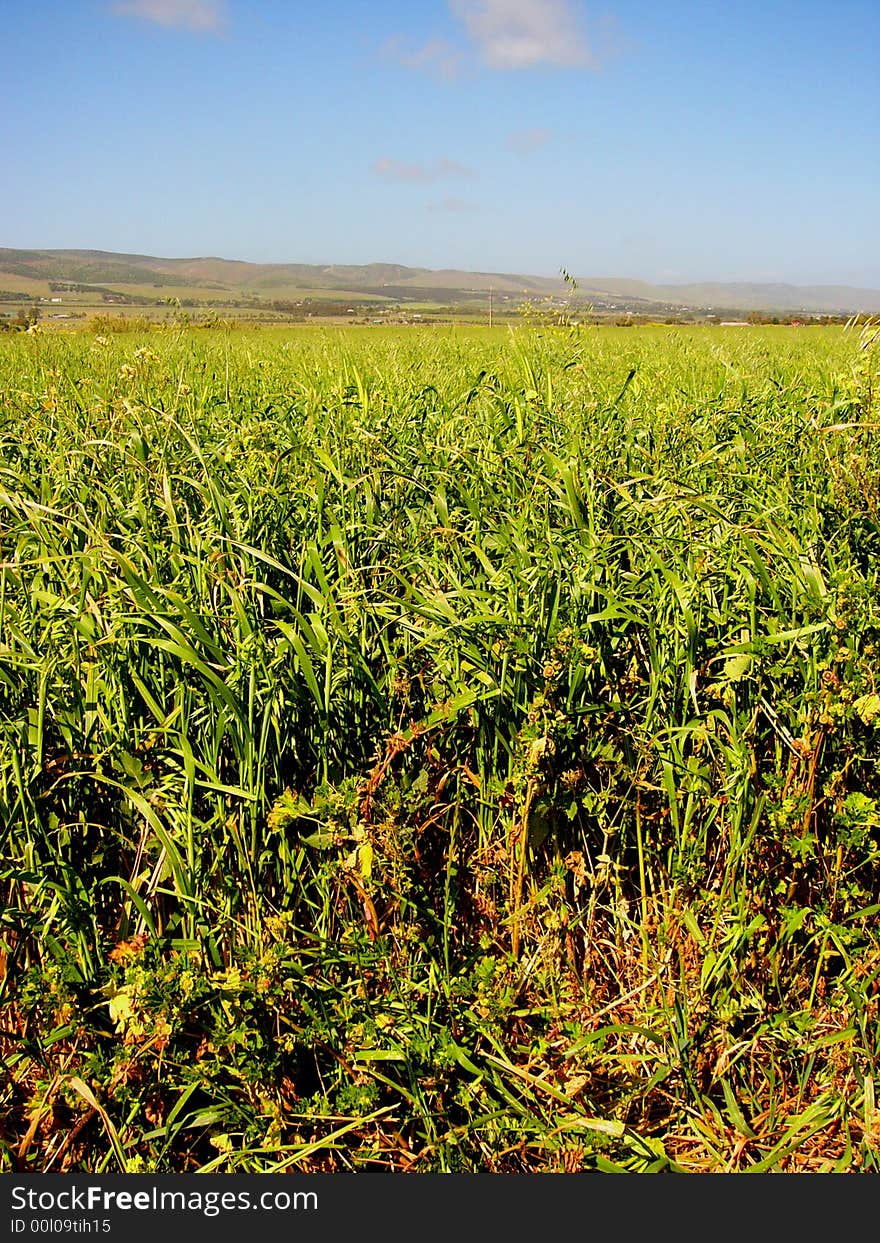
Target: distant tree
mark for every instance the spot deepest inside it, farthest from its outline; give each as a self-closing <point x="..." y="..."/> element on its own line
<point x="27" y="317"/>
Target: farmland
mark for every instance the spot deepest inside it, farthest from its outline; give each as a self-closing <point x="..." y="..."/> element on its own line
<point x="439" y="750"/>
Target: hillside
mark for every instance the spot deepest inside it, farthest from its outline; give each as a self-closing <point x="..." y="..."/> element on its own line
<point x="29" y="272"/>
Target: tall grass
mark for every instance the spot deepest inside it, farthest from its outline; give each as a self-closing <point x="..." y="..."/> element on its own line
<point x="439" y="751"/>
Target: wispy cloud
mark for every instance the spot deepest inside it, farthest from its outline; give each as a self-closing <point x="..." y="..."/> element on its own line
<point x="511" y="34"/>
<point x="452" y="204"/>
<point x="200" y="15"/>
<point x="520" y="34"/>
<point x="528" y="141"/>
<point x="437" y="56"/>
<point x="419" y="174"/>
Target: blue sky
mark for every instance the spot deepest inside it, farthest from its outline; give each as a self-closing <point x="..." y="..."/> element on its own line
<point x="696" y="139"/>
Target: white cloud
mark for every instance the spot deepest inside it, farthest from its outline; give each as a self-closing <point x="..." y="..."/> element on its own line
<point x="399" y="170"/>
<point x="437" y="56"/>
<point x="519" y="34"/>
<point x="199" y="15"/>
<point x="528" y="141"/>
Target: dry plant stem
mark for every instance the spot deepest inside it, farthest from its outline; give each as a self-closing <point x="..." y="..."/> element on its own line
<point x="519" y="846"/>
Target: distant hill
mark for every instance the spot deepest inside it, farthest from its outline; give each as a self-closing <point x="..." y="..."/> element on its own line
<point x="746" y="296"/>
<point x="29" y="269"/>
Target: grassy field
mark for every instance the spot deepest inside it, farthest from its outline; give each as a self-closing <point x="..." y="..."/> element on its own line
<point x="439" y="750"/>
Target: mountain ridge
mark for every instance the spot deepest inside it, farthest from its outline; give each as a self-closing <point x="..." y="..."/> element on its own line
<point x="100" y="267"/>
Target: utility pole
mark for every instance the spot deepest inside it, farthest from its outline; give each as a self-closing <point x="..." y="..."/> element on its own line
<point x="490" y="306"/>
